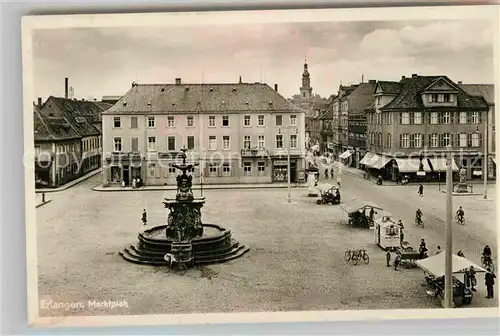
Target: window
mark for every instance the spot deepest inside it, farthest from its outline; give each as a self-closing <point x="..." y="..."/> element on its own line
<point x="133" y="122"/>
<point x="447" y="98"/>
<point x="279" y="120"/>
<point x="172" y="170"/>
<point x="171" y="143"/>
<point x="261" y="168"/>
<point x="405" y="118"/>
<point x="170" y="121"/>
<point x="225" y="121"/>
<point x="434" y="98"/>
<point x="463" y="140"/>
<point x="261" y="141"/>
<point x="247" y="142"/>
<point x="190" y="142"/>
<point x="212" y="142"/>
<point x="134" y="144"/>
<point x="246" y="121"/>
<point x="260" y="120"/>
<point x="293" y="141"/>
<point x="417" y="138"/>
<point x="434" y="117"/>
<point x="226" y="144"/>
<point x="279" y="141"/>
<point x="118" y="144"/>
<point x="151" y="143"/>
<point x="117" y="122"/>
<point x="433" y="140"/>
<point x="293" y="120"/>
<point x="212" y="169"/>
<point x="475" y="140"/>
<point x="444" y="139"/>
<point x="211" y="121"/>
<point x="446" y="117"/>
<point x="151" y="122"/>
<point x="247" y="169"/>
<point x="226" y="169"/>
<point x="189" y="121"/>
<point x="475" y="117"/>
<point x="463" y="117"/>
<point x="417" y="118"/>
<point x="404" y="141"/>
<point x="378" y="101"/>
<point x="388" y="140"/>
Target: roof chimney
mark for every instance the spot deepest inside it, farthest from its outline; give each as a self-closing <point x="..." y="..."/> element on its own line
<point x="403" y="77"/>
<point x="39" y="102"/>
<point x="240" y="80"/>
<point x="459" y="82"/>
<point x="177" y="81"/>
<point x="134" y="84"/>
<point x="414" y="75"/>
<point x="276" y="87"/>
<point x="66" y="87"/>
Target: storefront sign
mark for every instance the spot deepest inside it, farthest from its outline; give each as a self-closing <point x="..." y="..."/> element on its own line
<point x="281" y="163"/>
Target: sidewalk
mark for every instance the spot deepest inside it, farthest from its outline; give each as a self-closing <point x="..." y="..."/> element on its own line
<point x="69" y="184"/>
<point x="198" y="187"/>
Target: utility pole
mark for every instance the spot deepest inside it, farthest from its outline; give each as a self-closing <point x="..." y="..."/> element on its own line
<point x="448" y="277"/>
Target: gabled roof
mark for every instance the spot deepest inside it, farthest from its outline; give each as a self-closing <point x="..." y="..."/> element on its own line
<point x="82" y="115"/>
<point x="361" y="97"/>
<point x="487" y="91"/>
<point x="389" y="87"/>
<point x="445" y="79"/>
<point x="51" y="128"/>
<point x="182" y="98"/>
<point x="410" y="95"/>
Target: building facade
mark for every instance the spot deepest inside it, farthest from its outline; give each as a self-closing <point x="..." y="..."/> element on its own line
<point x="239" y="133"/>
<point x="340" y="110"/>
<point x="413" y="121"/>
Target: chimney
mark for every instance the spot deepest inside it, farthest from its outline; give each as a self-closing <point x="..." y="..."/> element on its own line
<point x="66" y="88"/>
<point x="276" y="87"/>
<point x="240" y="80"/>
<point x="459" y="82"/>
<point x="403" y="77"/>
<point x="39" y="102"/>
<point x="363" y="79"/>
<point x="414" y="75"/>
<point x="177" y="81"/>
<point x="372" y="81"/>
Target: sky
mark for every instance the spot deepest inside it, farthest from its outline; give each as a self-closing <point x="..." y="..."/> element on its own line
<point x="106" y="61"/>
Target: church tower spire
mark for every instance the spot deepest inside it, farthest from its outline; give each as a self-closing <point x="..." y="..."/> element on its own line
<point x="306" y="89"/>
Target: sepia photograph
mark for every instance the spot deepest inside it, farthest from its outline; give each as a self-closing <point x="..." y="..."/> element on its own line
<point x="261" y="165"/>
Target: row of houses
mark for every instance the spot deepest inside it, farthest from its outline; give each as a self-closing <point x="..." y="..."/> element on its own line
<point x="394" y="128"/>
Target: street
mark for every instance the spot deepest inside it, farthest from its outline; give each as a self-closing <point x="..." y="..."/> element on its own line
<point x="295" y="260"/>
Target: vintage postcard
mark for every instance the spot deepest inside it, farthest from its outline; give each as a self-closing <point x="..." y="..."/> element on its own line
<point x="253" y="166"/>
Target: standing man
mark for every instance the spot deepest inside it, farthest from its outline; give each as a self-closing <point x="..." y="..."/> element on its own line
<point x="326" y="174"/>
<point x="396" y="262"/>
<point x="331" y="172"/>
<point x="421" y="190"/>
<point x="388" y="258"/>
<point x="489" y="281"/>
<point x="144" y="217"/>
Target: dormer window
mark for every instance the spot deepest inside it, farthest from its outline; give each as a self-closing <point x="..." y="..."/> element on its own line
<point x="447" y="98"/>
<point x="434" y="98"/>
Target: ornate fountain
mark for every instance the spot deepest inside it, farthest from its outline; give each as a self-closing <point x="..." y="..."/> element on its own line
<point x="209" y="243"/>
<point x="462" y="186"/>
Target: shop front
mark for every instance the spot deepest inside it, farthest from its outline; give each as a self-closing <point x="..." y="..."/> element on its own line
<point x="280" y="170"/>
<point x="122" y="168"/>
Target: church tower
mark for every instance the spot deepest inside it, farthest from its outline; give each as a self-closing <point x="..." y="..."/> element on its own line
<point x="306" y="89"/>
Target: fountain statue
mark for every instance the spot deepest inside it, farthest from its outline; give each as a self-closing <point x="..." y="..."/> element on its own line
<point x="209" y="243"/>
<point x="462" y="185"/>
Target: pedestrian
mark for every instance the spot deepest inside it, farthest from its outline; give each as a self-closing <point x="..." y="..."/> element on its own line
<point x="144" y="217"/>
<point x="388" y="258"/>
<point x="438" y="249"/>
<point x="326" y="174"/>
<point x="421" y="190"/>
<point x="401" y="237"/>
<point x="460" y="254"/>
<point x="339" y="180"/>
<point x="123" y="184"/>
<point x="331" y="172"/>
<point x="134" y="183"/>
<point x="473" y="280"/>
<point x="397" y="262"/>
<point x="489" y="281"/>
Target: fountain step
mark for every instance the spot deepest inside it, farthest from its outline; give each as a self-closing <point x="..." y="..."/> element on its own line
<point x="198" y="252"/>
<point x="205" y="244"/>
<point x="132" y="256"/>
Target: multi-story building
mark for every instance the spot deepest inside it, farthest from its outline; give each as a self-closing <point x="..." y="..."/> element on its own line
<point x="340" y="111"/>
<point x="487" y="91"/>
<point x="414" y="120"/>
<point x="319" y="126"/>
<point x="239" y="133"/>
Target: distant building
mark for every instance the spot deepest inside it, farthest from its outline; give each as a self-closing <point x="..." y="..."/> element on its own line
<point x="340" y="109"/>
<point x="239" y="133"/>
<point x="413" y="121"/>
<point x="110" y="99"/>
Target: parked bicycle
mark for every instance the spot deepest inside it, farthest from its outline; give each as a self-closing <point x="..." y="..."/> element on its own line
<point x="356" y="255"/>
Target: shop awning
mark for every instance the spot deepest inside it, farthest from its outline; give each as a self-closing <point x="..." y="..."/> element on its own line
<point x="377" y="161"/>
<point x="412" y="165"/>
<point x="346" y="154"/>
<point x="366" y="158"/>
<point x="435" y="265"/>
<point x="439" y="164"/>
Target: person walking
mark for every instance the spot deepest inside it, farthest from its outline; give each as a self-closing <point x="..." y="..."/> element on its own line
<point x="331" y="172"/>
<point x="144" y="217"/>
<point x="438" y="249"/>
<point x="421" y="190"/>
<point x="388" y="258"/>
<point x="397" y="261"/>
<point x="489" y="281"/>
<point x="326" y="174"/>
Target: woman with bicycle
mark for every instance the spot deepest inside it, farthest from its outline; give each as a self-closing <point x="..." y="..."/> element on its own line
<point x="460" y="215"/>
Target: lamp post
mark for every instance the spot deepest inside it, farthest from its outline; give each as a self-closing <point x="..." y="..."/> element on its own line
<point x="448" y="277"/>
<point x="485" y="160"/>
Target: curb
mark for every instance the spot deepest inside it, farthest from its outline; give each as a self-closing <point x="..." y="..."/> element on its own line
<point x="213" y="187"/>
<point x="69" y="184"/>
<point x="39" y="205"/>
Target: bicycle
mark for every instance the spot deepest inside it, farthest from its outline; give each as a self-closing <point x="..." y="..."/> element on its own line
<point x="419" y="222"/>
<point x="487" y="262"/>
<point x="361" y="255"/>
<point x="460" y="219"/>
<point x="349" y="253"/>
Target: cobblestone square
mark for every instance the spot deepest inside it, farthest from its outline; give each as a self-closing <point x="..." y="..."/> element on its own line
<point x="295" y="260"/>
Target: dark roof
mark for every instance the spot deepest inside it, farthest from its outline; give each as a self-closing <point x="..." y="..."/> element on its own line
<point x="327" y="114"/>
<point x="390" y="87"/>
<point x="82" y="115"/>
<point x="487" y="91"/>
<point x="361" y="97"/>
<point x="410" y="98"/>
<point x="51" y="128"/>
<point x="182" y="98"/>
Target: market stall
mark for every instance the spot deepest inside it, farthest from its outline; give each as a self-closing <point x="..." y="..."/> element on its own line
<point x="360" y="212"/>
<point x="387" y="232"/>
